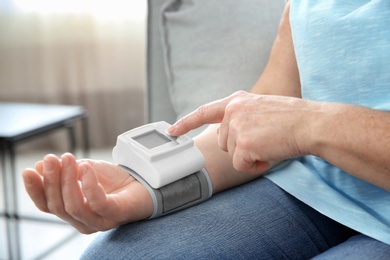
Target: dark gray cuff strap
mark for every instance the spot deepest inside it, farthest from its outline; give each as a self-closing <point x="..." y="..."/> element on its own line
<point x="177" y="195"/>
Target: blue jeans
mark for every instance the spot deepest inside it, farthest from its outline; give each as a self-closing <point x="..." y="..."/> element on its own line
<point x="257" y="220"/>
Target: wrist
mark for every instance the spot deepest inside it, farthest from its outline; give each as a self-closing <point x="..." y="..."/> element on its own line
<point x="218" y="163"/>
<point x="180" y="194"/>
<point x="323" y="127"/>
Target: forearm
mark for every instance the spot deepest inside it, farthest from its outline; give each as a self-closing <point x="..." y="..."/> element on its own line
<point x="353" y="138"/>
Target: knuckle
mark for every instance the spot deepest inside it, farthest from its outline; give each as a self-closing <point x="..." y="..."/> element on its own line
<point x="50" y="181"/>
<point x="237" y="102"/>
<point x="240" y="93"/>
<point x="244" y="143"/>
<point x="43" y="208"/>
<point x="85" y="230"/>
<point x="56" y="209"/>
<point x="232" y="108"/>
<point x="239" y="164"/>
<point x="236" y="125"/>
<point x="96" y="207"/>
<point x="201" y="111"/>
<point x="72" y="210"/>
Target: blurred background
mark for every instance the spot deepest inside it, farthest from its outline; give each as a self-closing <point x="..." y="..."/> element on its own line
<point x="89" y="53"/>
<point x="79" y="52"/>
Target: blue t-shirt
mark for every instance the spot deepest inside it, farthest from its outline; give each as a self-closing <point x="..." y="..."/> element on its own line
<point x="343" y="54"/>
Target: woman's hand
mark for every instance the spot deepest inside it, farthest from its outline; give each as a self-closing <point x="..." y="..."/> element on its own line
<point x="255" y="129"/>
<point x="90" y="195"/>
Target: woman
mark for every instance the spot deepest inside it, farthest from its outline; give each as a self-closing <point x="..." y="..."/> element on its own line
<point x="315" y="125"/>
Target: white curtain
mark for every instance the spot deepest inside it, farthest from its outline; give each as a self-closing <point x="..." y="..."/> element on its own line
<point x="91" y="53"/>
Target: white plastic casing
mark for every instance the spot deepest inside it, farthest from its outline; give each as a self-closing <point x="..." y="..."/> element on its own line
<point x="156" y="156"/>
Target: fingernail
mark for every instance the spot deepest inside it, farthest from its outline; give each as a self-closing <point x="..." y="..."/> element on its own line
<point x="171" y="129"/>
<point x="47" y="165"/>
<point x="64" y="161"/>
<point x="84" y="169"/>
<point x="26" y="179"/>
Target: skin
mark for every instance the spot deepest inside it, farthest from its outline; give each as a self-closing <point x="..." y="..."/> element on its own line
<point x="96" y="195"/>
<point x="90" y="195"/>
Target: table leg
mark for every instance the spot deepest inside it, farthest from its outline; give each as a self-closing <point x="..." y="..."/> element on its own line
<point x="10" y="198"/>
<point x="84" y="125"/>
<point x="72" y="136"/>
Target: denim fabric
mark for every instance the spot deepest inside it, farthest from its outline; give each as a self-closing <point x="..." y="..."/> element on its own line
<point x="358" y="247"/>
<point x="257" y="220"/>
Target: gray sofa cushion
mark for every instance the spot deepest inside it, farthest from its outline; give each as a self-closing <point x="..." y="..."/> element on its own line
<point x="213" y="48"/>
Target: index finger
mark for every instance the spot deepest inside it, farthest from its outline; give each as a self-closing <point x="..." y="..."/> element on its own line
<point x="206" y="114"/>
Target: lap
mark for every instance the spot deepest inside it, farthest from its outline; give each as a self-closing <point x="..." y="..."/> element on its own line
<point x="358" y="247"/>
<point x="256" y="220"/>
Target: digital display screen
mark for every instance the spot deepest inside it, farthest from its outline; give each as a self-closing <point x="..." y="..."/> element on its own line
<point x="152" y="139"/>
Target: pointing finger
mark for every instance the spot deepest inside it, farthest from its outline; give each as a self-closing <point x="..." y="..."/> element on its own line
<point x="206" y="114"/>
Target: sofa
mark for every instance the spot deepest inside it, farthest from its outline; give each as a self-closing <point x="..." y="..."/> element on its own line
<point x="199" y="51"/>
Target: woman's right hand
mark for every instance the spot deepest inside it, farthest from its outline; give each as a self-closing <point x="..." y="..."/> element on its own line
<point x="90" y="195"/>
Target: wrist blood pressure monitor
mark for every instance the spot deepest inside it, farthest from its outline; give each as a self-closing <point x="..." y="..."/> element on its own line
<point x="171" y="168"/>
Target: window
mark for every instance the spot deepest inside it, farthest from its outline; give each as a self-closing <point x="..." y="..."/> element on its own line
<point x="111" y="9"/>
